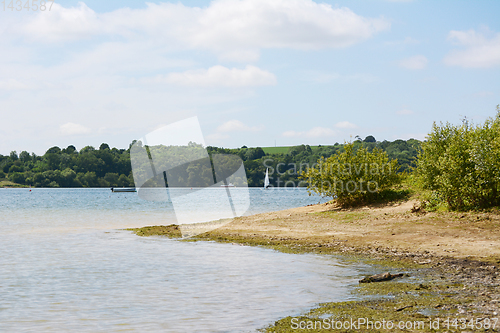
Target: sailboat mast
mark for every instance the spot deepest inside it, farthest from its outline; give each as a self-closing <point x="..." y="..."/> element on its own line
<point x="266" y="180"/>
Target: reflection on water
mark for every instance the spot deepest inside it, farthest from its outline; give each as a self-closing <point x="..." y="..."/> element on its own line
<point x="65" y="267"/>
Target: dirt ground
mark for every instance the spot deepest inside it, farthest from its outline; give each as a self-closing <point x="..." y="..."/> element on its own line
<point x="401" y="227"/>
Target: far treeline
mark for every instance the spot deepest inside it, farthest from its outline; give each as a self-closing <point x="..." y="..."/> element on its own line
<point x="111" y="167"/>
<point x="457" y="167"/>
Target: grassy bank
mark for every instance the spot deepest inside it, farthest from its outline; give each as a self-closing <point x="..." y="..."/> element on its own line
<point x="452" y="259"/>
<point x="9" y="184"/>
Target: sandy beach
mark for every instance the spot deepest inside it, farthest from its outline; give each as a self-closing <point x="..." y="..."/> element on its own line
<point x="397" y="228"/>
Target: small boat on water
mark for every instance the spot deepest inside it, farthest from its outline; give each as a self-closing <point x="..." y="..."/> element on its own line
<point x="266" y="180"/>
<point x="228" y="185"/>
<point x="123" y="189"/>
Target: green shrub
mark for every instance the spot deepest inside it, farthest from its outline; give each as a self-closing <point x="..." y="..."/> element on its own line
<point x="353" y="177"/>
<point x="460" y="165"/>
<point x="17" y="177"/>
<point x="15" y="168"/>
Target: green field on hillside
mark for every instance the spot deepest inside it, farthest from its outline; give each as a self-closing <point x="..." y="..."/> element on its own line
<point x="282" y="149"/>
<point x="276" y="150"/>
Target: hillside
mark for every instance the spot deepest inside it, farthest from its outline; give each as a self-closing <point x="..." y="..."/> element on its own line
<point x="110" y="167"/>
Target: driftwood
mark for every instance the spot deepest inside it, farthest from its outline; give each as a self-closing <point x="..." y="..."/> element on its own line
<point x="381" y="277"/>
<point x="403" y="308"/>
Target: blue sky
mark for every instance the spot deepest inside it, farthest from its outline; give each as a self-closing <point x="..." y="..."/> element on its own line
<point x="254" y="72"/>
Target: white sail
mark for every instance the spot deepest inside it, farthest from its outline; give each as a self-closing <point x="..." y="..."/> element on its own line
<point x="266" y="180"/>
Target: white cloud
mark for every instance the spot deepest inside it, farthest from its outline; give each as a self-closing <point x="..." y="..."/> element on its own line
<point x="73" y="129"/>
<point x="479" y="52"/>
<point x="13" y="84"/>
<point x="291" y="134"/>
<point x="215" y="138"/>
<point x="315" y="132"/>
<point x="63" y="24"/>
<point x="345" y="125"/>
<point x="221" y="133"/>
<point x="414" y="63"/>
<point x="218" y="76"/>
<point x="404" y="112"/>
<point x="467" y="38"/>
<point x="237" y="126"/>
<point x="240" y="55"/>
<point x="234" y="30"/>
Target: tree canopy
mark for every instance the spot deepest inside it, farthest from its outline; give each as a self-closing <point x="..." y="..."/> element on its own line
<point x="460" y="165"/>
<point x="111" y="167"/>
<point x="352" y="176"/>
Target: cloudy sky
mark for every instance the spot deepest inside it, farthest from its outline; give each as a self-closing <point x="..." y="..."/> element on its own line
<point x="255" y="72"/>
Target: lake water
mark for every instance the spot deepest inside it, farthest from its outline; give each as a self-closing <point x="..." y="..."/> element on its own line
<point x="65" y="265"/>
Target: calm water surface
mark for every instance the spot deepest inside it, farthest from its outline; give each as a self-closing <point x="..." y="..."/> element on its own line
<point x="65" y="265"/>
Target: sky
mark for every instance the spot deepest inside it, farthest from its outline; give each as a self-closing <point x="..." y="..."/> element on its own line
<point x="254" y="72"/>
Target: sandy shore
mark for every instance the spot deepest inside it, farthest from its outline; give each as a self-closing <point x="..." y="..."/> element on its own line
<point x="386" y="229"/>
<point x="453" y="259"/>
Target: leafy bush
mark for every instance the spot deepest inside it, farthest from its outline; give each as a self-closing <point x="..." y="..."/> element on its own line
<point x="353" y="176"/>
<point x="16" y="177"/>
<point x="460" y="165"/>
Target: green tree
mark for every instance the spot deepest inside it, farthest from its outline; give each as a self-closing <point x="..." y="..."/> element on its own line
<point x="460" y="165"/>
<point x="370" y="138"/>
<point x="353" y="176"/>
<point x="38" y="180"/>
<point x="87" y="149"/>
<point x="254" y="153"/>
<point x="102" y="182"/>
<point x="124" y="181"/>
<point x="53" y="150"/>
<point x="69" y="150"/>
<point x="17" y="177"/>
<point x="68" y="178"/>
<point x="52" y="176"/>
<point x="88" y="179"/>
<point x="112" y="178"/>
<point x="15" y="168"/>
<point x="104" y="146"/>
<point x="53" y="160"/>
<point x="13" y="155"/>
<point x="24" y="156"/>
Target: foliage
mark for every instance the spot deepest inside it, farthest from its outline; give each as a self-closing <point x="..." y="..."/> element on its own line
<point x="105" y="166"/>
<point x="68" y="167"/>
<point x="16" y="177"/>
<point x="353" y="176"/>
<point x="13" y="155"/>
<point x="460" y="165"/>
<point x="370" y="138"/>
